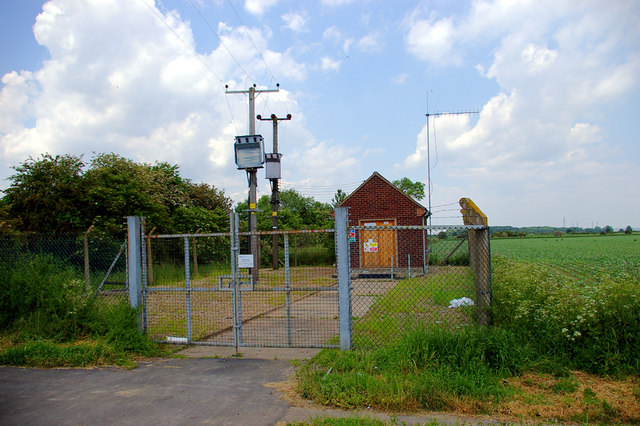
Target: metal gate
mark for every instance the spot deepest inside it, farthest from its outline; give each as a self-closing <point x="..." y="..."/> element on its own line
<point x="206" y="289"/>
<point x="318" y="289"/>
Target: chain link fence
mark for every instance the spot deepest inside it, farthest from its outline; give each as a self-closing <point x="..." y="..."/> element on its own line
<point x="286" y="295"/>
<point x="207" y="289"/>
<point x="98" y="265"/>
<point x="407" y="276"/>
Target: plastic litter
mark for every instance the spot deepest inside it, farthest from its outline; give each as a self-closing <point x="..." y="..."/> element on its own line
<point x="463" y="301"/>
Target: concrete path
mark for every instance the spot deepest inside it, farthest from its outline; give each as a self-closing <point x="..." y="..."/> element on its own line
<point x="313" y="319"/>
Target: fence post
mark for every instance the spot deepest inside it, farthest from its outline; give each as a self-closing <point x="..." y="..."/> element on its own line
<point x="187" y="280"/>
<point x="135" y="262"/>
<point x="479" y="257"/>
<point x="343" y="264"/>
<point x="149" y="258"/>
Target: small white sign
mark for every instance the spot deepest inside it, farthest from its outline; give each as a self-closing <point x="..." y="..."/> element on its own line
<point x="369" y="224"/>
<point x="245" y="261"/>
<point x="371" y="246"/>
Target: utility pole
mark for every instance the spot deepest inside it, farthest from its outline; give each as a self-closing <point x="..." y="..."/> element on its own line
<point x="252" y="175"/>
<point x="274" y="176"/>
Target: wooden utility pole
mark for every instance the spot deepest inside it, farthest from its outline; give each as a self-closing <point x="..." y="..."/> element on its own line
<point x="274" y="178"/>
<point x="252" y="175"/>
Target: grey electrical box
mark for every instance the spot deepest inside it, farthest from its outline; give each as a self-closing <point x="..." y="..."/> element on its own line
<point x="273" y="165"/>
<point x="249" y="151"/>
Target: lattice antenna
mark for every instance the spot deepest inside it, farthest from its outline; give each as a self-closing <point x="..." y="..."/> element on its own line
<point x="437" y="114"/>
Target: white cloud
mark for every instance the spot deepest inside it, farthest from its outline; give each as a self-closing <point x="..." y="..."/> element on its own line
<point x="118" y="80"/>
<point x="399" y="79"/>
<point x="332" y="33"/>
<point x="259" y="7"/>
<point x="296" y="22"/>
<point x="433" y="41"/>
<point x="334" y="3"/>
<point x="328" y="64"/>
<point x="585" y="133"/>
<point x="538" y="58"/>
<point x="555" y="65"/>
<point x="370" y="43"/>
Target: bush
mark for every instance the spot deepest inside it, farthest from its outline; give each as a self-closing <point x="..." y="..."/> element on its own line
<point x="570" y="323"/>
<point x="43" y="307"/>
<point x="43" y="298"/>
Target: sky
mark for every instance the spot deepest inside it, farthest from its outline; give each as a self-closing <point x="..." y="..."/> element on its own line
<point x="551" y="88"/>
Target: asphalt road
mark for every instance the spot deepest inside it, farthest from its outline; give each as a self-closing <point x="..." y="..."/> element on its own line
<point x="218" y="391"/>
<point x="174" y="391"/>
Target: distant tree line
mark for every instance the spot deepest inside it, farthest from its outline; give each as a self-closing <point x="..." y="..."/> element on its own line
<point x="63" y="194"/>
<point x="511" y="231"/>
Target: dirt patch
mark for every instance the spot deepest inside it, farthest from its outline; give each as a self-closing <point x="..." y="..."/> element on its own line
<point x="585" y="398"/>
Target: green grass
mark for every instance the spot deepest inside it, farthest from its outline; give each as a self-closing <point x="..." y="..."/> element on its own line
<point x="426" y="368"/>
<point x="173" y="274"/>
<point x="47" y="318"/>
<point x="414" y="301"/>
<point x="337" y="421"/>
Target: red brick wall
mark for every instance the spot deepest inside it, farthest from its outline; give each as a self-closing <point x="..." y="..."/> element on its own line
<point x="376" y="199"/>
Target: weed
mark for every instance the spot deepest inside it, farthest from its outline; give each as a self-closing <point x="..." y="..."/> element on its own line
<point x="565" y="385"/>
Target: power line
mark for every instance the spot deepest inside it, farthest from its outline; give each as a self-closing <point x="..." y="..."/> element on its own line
<point x="220" y="39"/>
<point x="327" y="186"/>
<point x="273" y="78"/>
<point x="446" y="205"/>
<point x="155" y="12"/>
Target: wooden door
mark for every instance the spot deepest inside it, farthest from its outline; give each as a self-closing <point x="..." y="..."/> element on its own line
<point x="378" y="245"/>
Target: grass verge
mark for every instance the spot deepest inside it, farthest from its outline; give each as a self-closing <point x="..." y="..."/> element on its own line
<point x="49" y="319"/>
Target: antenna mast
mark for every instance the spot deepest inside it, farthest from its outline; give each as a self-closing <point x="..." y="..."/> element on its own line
<point x="435" y="115"/>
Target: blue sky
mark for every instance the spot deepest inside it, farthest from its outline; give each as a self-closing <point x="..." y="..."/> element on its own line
<point x="555" y="84"/>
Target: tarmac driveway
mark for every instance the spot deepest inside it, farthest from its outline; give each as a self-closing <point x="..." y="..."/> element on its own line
<point x="173" y="391"/>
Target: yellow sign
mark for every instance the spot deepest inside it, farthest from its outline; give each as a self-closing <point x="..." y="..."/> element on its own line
<point x="252" y="206"/>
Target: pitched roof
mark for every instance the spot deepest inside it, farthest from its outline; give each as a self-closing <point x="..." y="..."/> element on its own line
<point x="376" y="174"/>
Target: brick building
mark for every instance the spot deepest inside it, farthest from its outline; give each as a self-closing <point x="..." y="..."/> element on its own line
<point x="377" y="204"/>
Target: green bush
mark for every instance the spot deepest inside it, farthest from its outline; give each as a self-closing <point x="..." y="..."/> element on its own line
<point x="43" y="298"/>
<point x="43" y="307"/>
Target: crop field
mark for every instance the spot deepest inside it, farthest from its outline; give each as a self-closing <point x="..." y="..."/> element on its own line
<point x="577" y="298"/>
<point x="587" y="257"/>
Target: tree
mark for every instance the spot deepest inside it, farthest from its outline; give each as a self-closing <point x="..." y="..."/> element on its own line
<point x="607" y="230"/>
<point x="628" y="230"/>
<point x="296" y="212"/>
<point x="412" y="189"/>
<point x="55" y="194"/>
<point x="46" y="195"/>
<point x="338" y="198"/>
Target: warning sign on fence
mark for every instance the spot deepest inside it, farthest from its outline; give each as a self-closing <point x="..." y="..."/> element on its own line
<point x="370" y="246"/>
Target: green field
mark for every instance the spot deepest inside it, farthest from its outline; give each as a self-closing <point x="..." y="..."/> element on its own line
<point x="592" y="257"/>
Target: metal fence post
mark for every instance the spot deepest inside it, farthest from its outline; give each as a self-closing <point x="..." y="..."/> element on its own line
<point x="343" y="264"/>
<point x="187" y="280"/>
<point x="287" y="285"/>
<point x="135" y="262"/>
